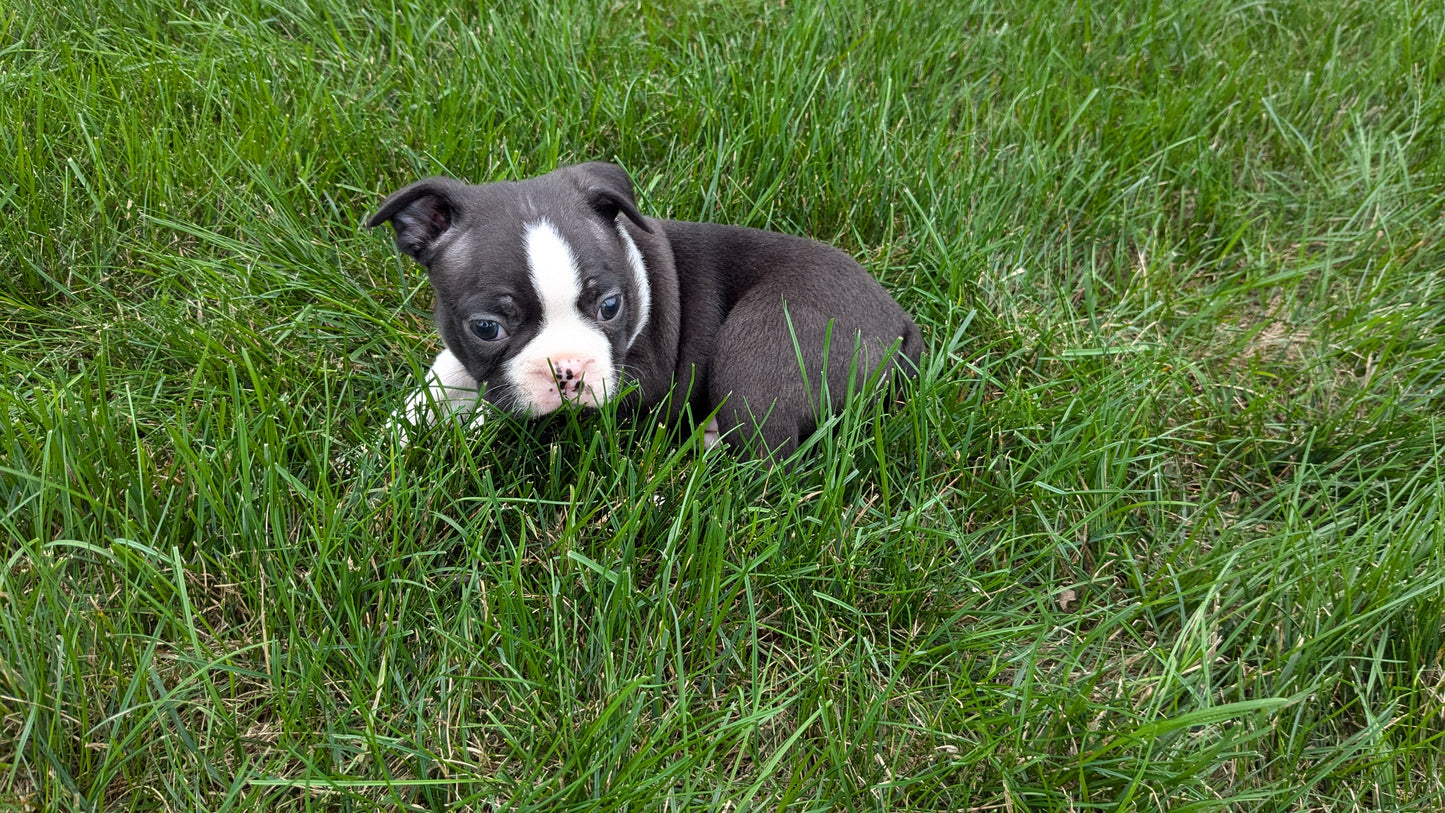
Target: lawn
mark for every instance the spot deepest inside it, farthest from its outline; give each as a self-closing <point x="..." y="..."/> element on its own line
<point x="1159" y="525"/>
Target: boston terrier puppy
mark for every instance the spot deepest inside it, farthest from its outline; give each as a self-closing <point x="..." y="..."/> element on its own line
<point x="556" y="290"/>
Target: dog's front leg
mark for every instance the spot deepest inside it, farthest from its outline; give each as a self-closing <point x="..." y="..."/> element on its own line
<point x="450" y="390"/>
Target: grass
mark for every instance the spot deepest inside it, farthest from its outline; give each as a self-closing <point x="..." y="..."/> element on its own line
<point x="1159" y="527"/>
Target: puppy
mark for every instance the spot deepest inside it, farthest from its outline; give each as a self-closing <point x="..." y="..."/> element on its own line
<point x="556" y="290"/>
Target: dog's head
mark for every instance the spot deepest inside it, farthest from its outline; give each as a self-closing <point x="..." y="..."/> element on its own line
<point x="540" y="291"/>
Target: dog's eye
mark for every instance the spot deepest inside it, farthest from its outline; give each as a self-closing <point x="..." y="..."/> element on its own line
<point x="488" y="330"/>
<point x="607" y="311"/>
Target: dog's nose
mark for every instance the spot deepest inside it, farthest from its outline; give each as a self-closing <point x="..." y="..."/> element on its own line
<point x="568" y="374"/>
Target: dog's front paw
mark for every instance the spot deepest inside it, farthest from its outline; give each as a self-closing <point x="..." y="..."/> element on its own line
<point x="450" y="392"/>
<point x="710" y="434"/>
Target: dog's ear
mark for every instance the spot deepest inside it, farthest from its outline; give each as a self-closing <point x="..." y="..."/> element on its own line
<point x="421" y="214"/>
<point x="609" y="192"/>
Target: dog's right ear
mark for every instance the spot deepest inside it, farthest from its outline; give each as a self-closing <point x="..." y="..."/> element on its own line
<point x="609" y="192"/>
<point x="421" y="214"/>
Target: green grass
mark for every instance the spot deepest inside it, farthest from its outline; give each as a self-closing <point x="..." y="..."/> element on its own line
<point x="1159" y="527"/>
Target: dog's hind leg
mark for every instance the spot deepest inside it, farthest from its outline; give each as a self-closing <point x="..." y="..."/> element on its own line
<point x="776" y="368"/>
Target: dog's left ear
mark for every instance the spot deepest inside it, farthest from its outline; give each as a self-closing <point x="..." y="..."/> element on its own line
<point x="421" y="214"/>
<point x="609" y="192"/>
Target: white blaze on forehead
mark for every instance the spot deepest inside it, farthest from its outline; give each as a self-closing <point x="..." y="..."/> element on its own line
<point x="553" y="268"/>
<point x="639" y="281"/>
<point x="566" y="333"/>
